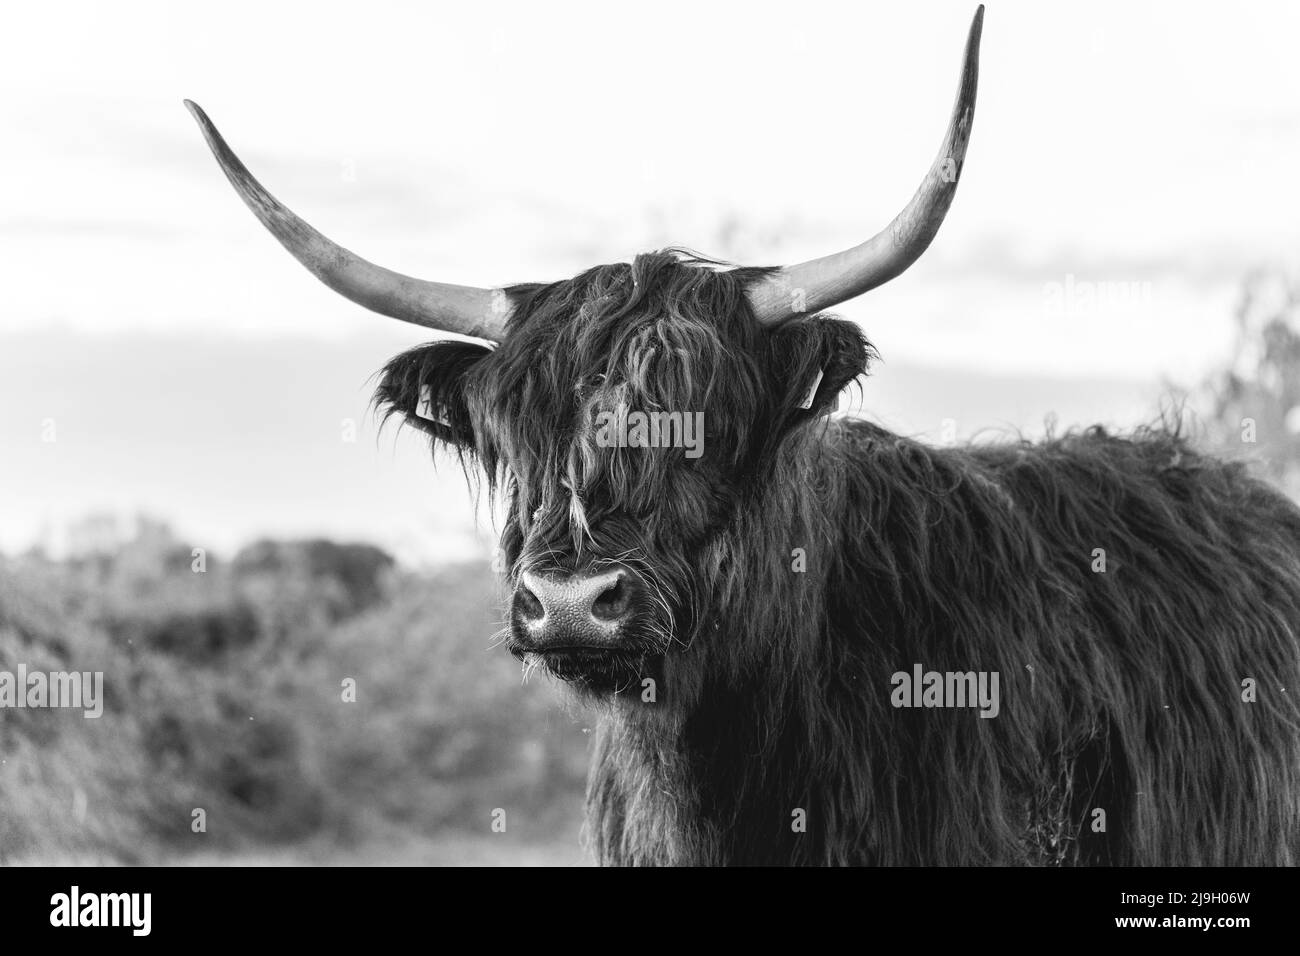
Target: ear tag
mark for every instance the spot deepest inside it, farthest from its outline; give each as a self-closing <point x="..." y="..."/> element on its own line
<point x="424" y="408"/>
<point x="809" y="395"/>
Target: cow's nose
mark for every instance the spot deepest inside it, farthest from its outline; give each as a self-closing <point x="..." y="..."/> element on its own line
<point x="579" y="609"/>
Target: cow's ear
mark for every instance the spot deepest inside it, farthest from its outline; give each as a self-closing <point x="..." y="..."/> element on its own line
<point x="426" y="387"/>
<point x="813" y="359"/>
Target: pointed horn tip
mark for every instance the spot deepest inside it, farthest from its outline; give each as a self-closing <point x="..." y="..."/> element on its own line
<point x="200" y="117"/>
<point x="977" y="24"/>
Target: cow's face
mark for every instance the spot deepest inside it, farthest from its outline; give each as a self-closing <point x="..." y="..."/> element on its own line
<point x="627" y="415"/>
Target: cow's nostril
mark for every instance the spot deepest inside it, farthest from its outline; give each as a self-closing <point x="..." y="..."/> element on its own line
<point x="612" y="603"/>
<point x="527" y="605"/>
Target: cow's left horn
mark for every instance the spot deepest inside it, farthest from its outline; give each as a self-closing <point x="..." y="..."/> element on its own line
<point x="449" y="308"/>
<point x="821" y="283"/>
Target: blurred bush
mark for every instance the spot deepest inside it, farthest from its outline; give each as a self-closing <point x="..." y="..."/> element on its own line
<point x="1251" y="405"/>
<point x="304" y="690"/>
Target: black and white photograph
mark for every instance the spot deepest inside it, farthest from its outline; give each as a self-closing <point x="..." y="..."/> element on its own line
<point x="690" y="435"/>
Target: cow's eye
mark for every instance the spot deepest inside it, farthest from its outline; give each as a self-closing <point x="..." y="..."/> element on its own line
<point x="588" y="385"/>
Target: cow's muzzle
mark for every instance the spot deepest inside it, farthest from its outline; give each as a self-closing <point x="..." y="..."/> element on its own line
<point x="582" y="612"/>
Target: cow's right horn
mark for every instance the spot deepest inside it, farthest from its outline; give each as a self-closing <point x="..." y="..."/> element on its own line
<point x="467" y="310"/>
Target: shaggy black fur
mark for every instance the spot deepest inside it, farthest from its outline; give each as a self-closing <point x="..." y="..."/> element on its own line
<point x="1120" y="690"/>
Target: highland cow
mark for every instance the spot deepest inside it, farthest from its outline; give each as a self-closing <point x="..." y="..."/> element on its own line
<point x="757" y="625"/>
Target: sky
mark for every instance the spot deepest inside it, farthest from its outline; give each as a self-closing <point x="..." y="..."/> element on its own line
<point x="1130" y="163"/>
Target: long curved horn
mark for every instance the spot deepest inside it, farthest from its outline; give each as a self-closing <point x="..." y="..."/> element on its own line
<point x="821" y="283"/>
<point x="466" y="310"/>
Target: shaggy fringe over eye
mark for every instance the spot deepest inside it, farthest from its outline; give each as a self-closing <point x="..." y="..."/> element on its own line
<point x="671" y="331"/>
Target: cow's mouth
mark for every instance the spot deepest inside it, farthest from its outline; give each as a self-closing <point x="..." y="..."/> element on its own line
<point x="601" y="669"/>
